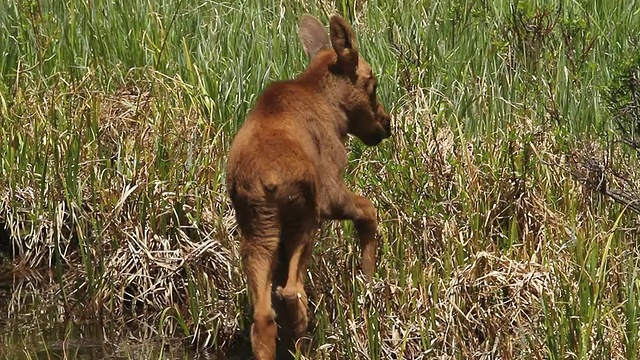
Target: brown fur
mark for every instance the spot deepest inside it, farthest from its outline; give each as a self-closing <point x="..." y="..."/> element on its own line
<point x="284" y="176"/>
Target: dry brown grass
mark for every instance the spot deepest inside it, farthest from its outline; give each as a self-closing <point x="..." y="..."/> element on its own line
<point x="492" y="309"/>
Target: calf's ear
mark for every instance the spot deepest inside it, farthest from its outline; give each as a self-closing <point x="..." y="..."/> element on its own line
<point x="313" y="35"/>
<point x="344" y="43"/>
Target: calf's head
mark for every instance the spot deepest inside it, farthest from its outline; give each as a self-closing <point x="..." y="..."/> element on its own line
<point x="349" y="81"/>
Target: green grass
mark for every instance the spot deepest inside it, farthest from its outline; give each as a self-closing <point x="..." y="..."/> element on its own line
<point x="116" y="118"/>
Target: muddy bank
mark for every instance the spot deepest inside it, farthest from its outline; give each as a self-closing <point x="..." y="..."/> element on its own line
<point x="33" y="324"/>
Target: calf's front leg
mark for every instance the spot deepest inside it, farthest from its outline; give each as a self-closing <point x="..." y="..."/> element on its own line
<point x="366" y="224"/>
<point x="361" y="211"/>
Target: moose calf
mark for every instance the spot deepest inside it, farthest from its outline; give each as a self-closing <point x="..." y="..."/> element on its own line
<point x="284" y="176"/>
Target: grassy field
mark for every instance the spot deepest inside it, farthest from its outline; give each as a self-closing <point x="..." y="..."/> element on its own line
<point x="116" y="118"/>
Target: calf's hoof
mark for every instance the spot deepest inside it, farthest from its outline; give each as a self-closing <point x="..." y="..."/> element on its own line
<point x="264" y="331"/>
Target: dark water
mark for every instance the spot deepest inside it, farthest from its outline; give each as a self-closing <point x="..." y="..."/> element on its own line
<point x="33" y="326"/>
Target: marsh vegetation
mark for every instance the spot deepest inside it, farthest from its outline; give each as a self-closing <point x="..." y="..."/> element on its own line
<point x="507" y="195"/>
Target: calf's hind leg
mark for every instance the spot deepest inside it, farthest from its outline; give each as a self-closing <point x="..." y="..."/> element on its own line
<point x="292" y="299"/>
<point x="258" y="249"/>
<point x="257" y="261"/>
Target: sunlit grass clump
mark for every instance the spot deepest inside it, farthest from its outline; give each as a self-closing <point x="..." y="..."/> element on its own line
<point x="508" y="224"/>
